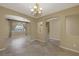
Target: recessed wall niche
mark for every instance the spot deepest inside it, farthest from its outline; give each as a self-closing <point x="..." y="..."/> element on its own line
<point x="72" y="25"/>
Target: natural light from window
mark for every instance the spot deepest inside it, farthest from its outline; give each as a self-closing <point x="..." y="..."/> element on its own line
<point x="19" y="27"/>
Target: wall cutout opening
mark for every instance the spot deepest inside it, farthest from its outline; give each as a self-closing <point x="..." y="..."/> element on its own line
<point x="18" y="25"/>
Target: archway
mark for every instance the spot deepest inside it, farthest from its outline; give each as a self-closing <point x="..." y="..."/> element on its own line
<point x="17" y="25"/>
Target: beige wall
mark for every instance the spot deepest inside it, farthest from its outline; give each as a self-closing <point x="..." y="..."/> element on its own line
<point x="67" y="40"/>
<point x="4" y="25"/>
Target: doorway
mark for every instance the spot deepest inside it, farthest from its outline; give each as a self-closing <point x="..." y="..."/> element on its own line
<point x="17" y="28"/>
<point x="17" y="25"/>
<point x="53" y="28"/>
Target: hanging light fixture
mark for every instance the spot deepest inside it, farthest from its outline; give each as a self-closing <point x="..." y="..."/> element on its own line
<point x="36" y="11"/>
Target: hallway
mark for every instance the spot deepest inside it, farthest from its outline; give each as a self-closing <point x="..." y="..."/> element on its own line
<point x="25" y="46"/>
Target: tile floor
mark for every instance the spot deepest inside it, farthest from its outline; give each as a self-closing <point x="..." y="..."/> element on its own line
<point x="24" y="46"/>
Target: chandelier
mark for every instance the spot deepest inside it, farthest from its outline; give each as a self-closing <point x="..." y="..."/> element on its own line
<point x="36" y="10"/>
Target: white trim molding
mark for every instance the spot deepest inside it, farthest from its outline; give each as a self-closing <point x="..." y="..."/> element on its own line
<point x="76" y="51"/>
<point x="17" y="18"/>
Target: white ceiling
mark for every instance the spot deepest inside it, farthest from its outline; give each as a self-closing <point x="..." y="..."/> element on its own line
<point x="47" y="7"/>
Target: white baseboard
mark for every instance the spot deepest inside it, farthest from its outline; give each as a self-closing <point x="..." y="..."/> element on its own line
<point x="2" y="49"/>
<point x="76" y="51"/>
